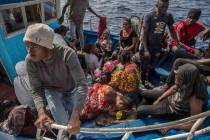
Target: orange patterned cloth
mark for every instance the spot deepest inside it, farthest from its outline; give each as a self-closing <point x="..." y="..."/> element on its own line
<point x="95" y="101"/>
<point x="126" y="80"/>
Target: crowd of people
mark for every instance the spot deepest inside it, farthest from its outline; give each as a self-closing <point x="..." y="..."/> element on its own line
<point x="79" y="83"/>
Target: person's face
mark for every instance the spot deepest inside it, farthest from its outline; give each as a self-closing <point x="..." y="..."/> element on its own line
<point x="94" y="50"/>
<point x="126" y="25"/>
<point x="119" y="102"/>
<point x="191" y="20"/>
<point x="162" y="8"/>
<point x="36" y="52"/>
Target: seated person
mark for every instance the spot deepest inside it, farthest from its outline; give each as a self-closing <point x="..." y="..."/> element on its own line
<point x="127" y="78"/>
<point x="92" y="61"/>
<point x="128" y="37"/>
<point x="185" y="98"/>
<point x="202" y="64"/>
<point x="105" y="43"/>
<point x="188" y="29"/>
<point x="103" y="98"/>
<point x="104" y="76"/>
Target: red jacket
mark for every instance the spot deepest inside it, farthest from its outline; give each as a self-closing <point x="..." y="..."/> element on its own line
<point x="186" y="33"/>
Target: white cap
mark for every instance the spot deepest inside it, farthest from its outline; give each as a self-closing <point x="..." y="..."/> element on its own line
<point x="40" y="34"/>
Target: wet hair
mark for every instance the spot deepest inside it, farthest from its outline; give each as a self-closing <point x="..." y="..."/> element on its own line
<point x="194" y="13"/>
<point x="88" y="48"/>
<point x="128" y="20"/>
<point x="125" y="57"/>
<point x="162" y="2"/>
<point x="61" y="29"/>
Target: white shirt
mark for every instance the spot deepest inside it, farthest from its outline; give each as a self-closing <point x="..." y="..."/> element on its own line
<point x="92" y="61"/>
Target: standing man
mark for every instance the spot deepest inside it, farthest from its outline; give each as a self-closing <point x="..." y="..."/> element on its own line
<point x="56" y="78"/>
<point x="76" y="16"/>
<point x="154" y="26"/>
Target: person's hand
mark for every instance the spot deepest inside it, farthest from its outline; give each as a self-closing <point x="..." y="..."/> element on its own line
<point x="146" y="54"/>
<point x="205" y="35"/>
<point x="197" y="53"/>
<point x="43" y="119"/>
<point x="61" y="19"/>
<point x="74" y="125"/>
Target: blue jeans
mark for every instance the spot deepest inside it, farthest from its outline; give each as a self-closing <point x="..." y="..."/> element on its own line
<point x="60" y="105"/>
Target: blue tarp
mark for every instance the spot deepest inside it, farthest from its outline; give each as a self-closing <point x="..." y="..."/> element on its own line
<point x="142" y="135"/>
<point x="12" y="1"/>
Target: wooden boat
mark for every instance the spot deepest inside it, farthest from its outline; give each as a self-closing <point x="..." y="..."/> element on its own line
<point x="16" y="15"/>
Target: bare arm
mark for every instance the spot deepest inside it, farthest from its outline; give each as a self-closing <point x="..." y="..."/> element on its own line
<point x="174" y="35"/>
<point x="204" y="61"/>
<point x="205" y="34"/>
<point x="64" y="11"/>
<point x="195" y="108"/>
<point x="134" y="41"/>
<point x="74" y="122"/>
<point x="169" y="92"/>
<point x="92" y="11"/>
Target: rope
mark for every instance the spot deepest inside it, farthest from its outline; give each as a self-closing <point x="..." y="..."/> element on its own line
<point x="137" y="129"/>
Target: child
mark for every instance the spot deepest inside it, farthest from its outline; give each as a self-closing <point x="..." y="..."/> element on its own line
<point x="105" y="43"/>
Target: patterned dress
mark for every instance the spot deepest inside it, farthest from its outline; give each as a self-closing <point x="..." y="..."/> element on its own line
<point x="95" y="102"/>
<point x="126" y="80"/>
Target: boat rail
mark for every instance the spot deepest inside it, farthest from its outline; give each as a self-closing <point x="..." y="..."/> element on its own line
<point x="200" y="119"/>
